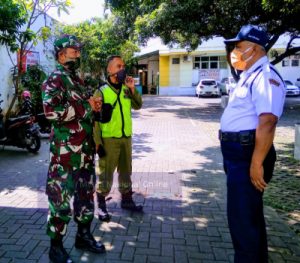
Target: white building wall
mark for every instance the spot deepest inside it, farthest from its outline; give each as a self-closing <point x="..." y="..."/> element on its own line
<point x="183" y="75"/>
<point x="288" y="73"/>
<point x="180" y="78"/>
<point x="186" y="71"/>
<point x="174" y="71"/>
<point x="6" y="85"/>
<point x="46" y="60"/>
<point x="195" y="77"/>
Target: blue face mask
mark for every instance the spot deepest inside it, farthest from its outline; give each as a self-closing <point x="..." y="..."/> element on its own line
<point x="121" y="76"/>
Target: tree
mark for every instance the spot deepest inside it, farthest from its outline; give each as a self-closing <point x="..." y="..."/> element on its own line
<point x="126" y="13"/>
<point x="101" y="39"/>
<point x="189" y="22"/>
<point x="23" y="37"/>
<point x="32" y="80"/>
<point x="12" y="17"/>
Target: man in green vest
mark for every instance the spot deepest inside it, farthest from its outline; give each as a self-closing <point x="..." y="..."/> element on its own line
<point x="112" y="135"/>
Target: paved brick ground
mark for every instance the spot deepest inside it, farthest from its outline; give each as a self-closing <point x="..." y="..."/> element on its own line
<point x="178" y="177"/>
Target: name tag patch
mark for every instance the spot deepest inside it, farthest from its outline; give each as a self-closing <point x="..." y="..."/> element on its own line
<point x="274" y="82"/>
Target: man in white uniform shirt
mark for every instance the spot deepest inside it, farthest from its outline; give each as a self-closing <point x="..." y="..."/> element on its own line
<point x="247" y="132"/>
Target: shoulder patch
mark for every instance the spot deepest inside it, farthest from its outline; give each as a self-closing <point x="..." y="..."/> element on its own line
<point x="274" y="82"/>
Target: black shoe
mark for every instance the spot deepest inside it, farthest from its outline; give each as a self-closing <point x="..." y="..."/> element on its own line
<point x="57" y="254"/>
<point x="103" y="214"/>
<point x="128" y="204"/>
<point x="104" y="217"/>
<point x="86" y="241"/>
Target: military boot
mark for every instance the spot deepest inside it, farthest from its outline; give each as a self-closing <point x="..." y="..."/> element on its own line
<point x="57" y="253"/>
<point x="103" y="214"/>
<point x="86" y="241"/>
<point x="128" y="203"/>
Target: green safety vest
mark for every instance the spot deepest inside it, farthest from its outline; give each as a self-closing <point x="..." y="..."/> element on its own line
<point x="121" y="123"/>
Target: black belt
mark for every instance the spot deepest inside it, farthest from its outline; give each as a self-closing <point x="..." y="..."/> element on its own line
<point x="243" y="137"/>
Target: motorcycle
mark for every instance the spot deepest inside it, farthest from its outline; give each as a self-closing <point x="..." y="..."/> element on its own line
<point x="27" y="107"/>
<point x="21" y="132"/>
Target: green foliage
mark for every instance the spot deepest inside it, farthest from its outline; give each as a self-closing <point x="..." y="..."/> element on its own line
<point x="45" y="32"/>
<point x="12" y="17"/>
<point x="284" y="187"/>
<point x="189" y="22"/>
<point x="19" y="35"/>
<point x="91" y="82"/>
<point x="127" y="50"/>
<point x="126" y="13"/>
<point x="17" y="13"/>
<point x="100" y="39"/>
<point x="32" y="80"/>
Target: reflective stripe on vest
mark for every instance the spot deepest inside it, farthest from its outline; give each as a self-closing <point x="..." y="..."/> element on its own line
<point x="120" y="124"/>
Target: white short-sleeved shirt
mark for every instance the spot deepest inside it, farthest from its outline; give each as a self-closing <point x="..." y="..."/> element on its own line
<point x="259" y="90"/>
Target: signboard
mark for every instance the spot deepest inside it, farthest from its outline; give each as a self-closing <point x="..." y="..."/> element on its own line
<point x="31" y="58"/>
<point x="136" y="81"/>
<point x="209" y="74"/>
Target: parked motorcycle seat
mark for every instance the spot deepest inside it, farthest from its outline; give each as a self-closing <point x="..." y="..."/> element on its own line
<point x="11" y="121"/>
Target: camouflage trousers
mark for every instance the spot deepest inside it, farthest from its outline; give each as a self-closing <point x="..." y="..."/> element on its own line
<point x="71" y="174"/>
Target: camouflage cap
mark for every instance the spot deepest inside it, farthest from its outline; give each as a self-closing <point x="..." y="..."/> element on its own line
<point x="67" y="41"/>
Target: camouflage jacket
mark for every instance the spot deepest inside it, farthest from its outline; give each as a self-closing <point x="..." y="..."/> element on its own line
<point x="66" y="106"/>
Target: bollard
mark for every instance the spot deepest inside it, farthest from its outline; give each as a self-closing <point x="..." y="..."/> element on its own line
<point x="297" y="142"/>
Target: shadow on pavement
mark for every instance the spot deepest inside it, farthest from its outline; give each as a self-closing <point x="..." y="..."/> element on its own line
<point x="208" y="111"/>
<point x="17" y="167"/>
<point x="184" y="217"/>
<point x="141" y="142"/>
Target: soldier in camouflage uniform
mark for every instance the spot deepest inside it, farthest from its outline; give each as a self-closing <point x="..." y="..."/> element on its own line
<point x="71" y="170"/>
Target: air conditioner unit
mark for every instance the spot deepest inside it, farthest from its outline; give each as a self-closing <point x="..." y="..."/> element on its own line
<point x="187" y="58"/>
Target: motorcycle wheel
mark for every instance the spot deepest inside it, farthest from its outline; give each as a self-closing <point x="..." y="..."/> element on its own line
<point x="35" y="144"/>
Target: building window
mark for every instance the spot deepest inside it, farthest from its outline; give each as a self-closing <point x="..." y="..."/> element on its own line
<point x="292" y="61"/>
<point x="285" y="63"/>
<point x="222" y="62"/>
<point x="175" y="60"/>
<point x="213" y="62"/>
<point x="204" y="65"/>
<point x="196" y="65"/>
<point x="295" y="63"/>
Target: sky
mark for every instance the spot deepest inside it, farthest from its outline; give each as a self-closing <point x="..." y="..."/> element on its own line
<point x="83" y="10"/>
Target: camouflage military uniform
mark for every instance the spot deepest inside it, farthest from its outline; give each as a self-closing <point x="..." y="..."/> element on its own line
<point x="71" y="170"/>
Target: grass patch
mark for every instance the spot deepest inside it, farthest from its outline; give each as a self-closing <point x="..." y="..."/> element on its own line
<point x="283" y="192"/>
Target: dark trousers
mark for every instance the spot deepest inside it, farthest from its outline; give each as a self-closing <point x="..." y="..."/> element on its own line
<point x="245" y="203"/>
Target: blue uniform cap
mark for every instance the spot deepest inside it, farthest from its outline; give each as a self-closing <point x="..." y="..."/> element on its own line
<point x="251" y="33"/>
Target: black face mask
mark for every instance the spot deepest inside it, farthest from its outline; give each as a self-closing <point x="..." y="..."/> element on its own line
<point x="73" y="64"/>
<point x="121" y="76"/>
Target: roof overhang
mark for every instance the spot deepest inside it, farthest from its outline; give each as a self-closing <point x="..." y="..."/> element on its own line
<point x="148" y="55"/>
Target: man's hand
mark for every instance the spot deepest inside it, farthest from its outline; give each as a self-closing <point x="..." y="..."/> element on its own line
<point x="96" y="103"/>
<point x="129" y="82"/>
<point x="257" y="176"/>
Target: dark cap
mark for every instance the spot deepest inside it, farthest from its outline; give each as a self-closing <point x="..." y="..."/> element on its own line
<point x="250" y="33"/>
<point x="67" y="41"/>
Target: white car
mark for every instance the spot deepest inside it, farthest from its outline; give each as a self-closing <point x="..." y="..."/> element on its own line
<point x="207" y="87"/>
<point x="226" y="85"/>
<point x="297" y="83"/>
<point x="291" y="90"/>
<point x="230" y="85"/>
